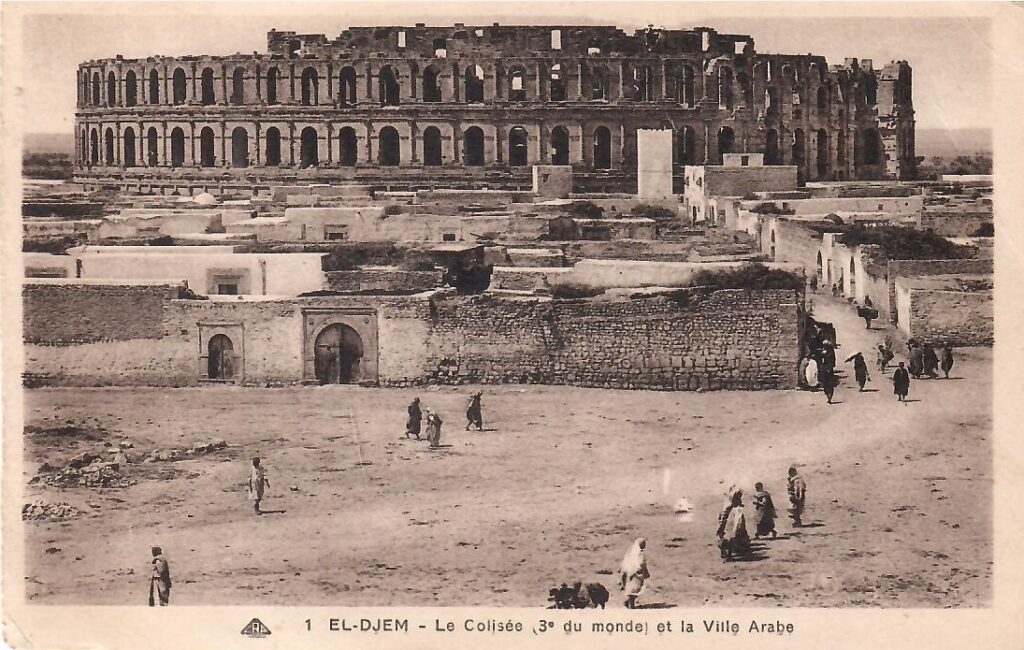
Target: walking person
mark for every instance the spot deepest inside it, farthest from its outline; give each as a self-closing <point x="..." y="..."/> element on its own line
<point x="733" y="538"/>
<point x="634" y="573"/>
<point x="257" y="481"/>
<point x="931" y="361"/>
<point x="916" y="360"/>
<point x="901" y="383"/>
<point x="764" y="513"/>
<point x="797" y="489"/>
<point x="412" y="425"/>
<point x="860" y="369"/>
<point x="947" y="359"/>
<point x="160" y="579"/>
<point x="829" y="381"/>
<point x="474" y="412"/>
<point x="434" y="423"/>
<point x="814" y="283"/>
<point x="884" y="357"/>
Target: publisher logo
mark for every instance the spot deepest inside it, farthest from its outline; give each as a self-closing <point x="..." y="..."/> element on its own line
<point x="256" y="629"/>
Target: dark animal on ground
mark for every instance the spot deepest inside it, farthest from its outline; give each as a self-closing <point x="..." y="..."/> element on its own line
<point x="579" y="596"/>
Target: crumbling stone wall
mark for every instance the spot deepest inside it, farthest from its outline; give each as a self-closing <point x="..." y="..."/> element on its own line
<point x="960" y="318"/>
<point x="731" y="339"/>
<point x="917" y="268"/>
<point x="383" y="279"/>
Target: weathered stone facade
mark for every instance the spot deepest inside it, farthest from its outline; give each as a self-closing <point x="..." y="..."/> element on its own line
<point x="467" y="105"/>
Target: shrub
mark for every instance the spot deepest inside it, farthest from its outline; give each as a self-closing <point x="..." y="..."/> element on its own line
<point x="52" y="245"/>
<point x="771" y="208"/>
<point x="749" y="196"/>
<point x="902" y="243"/>
<point x="571" y="290"/>
<point x="748" y="276"/>
<point x="391" y="210"/>
<point x="652" y="212"/>
<point x="586" y="210"/>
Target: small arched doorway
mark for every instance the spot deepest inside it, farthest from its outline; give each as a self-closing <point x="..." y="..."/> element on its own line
<point x="207" y="158"/>
<point x="389" y="147"/>
<point x="273" y="152"/>
<point x="239" y="147"/>
<point x="349" y="146"/>
<point x="129" y="147"/>
<point x="473" y="147"/>
<point x="518" y="152"/>
<point x="221" y="359"/>
<point x="309" y="156"/>
<point x="432" y="146"/>
<point x="338" y="350"/>
<point x="177" y="147"/>
<point x="560" y="146"/>
<point x="388" y="88"/>
<point x="602" y="148"/>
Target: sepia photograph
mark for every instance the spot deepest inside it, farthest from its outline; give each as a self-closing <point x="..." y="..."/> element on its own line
<point x="573" y="306"/>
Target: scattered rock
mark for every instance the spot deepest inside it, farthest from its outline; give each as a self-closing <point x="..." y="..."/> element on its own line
<point x="43" y="511"/>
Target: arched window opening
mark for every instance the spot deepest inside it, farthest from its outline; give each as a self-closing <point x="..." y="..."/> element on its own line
<point x="474" y="84"/>
<point x="154" y="86"/>
<point x="207" y="156"/>
<point x="725" y="88"/>
<point x="111" y="89"/>
<point x="686" y="146"/>
<point x="772" y="153"/>
<point x="309" y="149"/>
<point x="83" y="150"/>
<point x="272" y="79"/>
<point x="822" y="98"/>
<point x="238" y="87"/>
<point x="349" y="147"/>
<point x="518" y="151"/>
<point x="726" y="142"/>
<point x="688" y="97"/>
<point x="642" y="83"/>
<point x="473" y="147"/>
<point x="207" y="94"/>
<point x="388" y="87"/>
<point x="557" y="80"/>
<point x="272" y="155"/>
<point x="347" y="87"/>
<point x="432" y="146"/>
<point x="431" y="85"/>
<point x="602" y="148"/>
<point x="872" y="147"/>
<point x="131" y="89"/>
<point x="747" y="88"/>
<point x="310" y="87"/>
<point x="560" y="146"/>
<point x="94" y="148"/>
<point x="821" y="158"/>
<point x="599" y="83"/>
<point x="799" y="148"/>
<point x="389" y="152"/>
<point x="129" y="147"/>
<point x="178" y="87"/>
<point x="108" y="147"/>
<point x="152" y="151"/>
<point x="177" y="147"/>
<point x="239" y="147"/>
<point x="771" y="102"/>
<point x="517" y="85"/>
<point x="95" y="89"/>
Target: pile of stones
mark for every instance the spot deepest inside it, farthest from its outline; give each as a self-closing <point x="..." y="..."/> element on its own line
<point x="42" y="511"/>
<point x="197" y="449"/>
<point x="96" y="474"/>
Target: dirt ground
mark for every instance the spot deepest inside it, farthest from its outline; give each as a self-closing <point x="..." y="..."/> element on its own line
<point x="554" y="490"/>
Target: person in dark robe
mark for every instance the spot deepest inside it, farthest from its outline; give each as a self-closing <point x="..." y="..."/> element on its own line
<point x="828" y="355"/>
<point x="764" y="512"/>
<point x="901" y="382"/>
<point x="884" y="357"/>
<point x="835" y="290"/>
<point x="733" y="538"/>
<point x="797" y="489"/>
<point x="814" y="283"/>
<point x="947" y="359"/>
<point x="931" y="361"/>
<point x="916" y="361"/>
<point x="867" y="302"/>
<point x="828" y="381"/>
<point x="860" y="369"/>
<point x="160" y="580"/>
<point x="474" y="412"/>
<point x="412" y="425"/>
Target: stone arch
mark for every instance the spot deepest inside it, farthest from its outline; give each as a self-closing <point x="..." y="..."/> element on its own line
<point x="221" y="358"/>
<point x="338" y="353"/>
<point x="152" y="147"/>
<point x="473" y="147"/>
<point x="688" y="96"/>
<point x="602" y="148"/>
<point x="94" y="148"/>
<point x="310" y="87"/>
<point x="686" y="146"/>
<point x="95" y="89"/>
<point x="517" y="84"/>
<point x="111" y="89"/>
<point x="559" y="146"/>
<point x="599" y="87"/>
<point x="309" y="148"/>
<point x="108" y="147"/>
<point x="83" y="150"/>
<point x="179" y="87"/>
<point x="238" y="86"/>
<point x="273" y="77"/>
<point x="822" y="154"/>
<point x="432" y="155"/>
<point x="207" y="91"/>
<point x="207" y="151"/>
<point x="272" y="144"/>
<point x="177" y="147"/>
<point x="388" y="88"/>
<point x="474" y="84"/>
<point x="726" y="141"/>
<point x="347" y="87"/>
<point x="518" y="147"/>
<point x="154" y="86"/>
<point x="557" y="83"/>
<point x="772" y="151"/>
<point x="431" y="84"/>
<point x="131" y="88"/>
<point x="725" y="78"/>
<point x="348" y="143"/>
<point x="239" y="147"/>
<point x="389" y="147"/>
<point x="128" y="142"/>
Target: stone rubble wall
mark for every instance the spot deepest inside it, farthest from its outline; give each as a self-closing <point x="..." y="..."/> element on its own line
<point x="917" y="268"/>
<point x="960" y="318"/>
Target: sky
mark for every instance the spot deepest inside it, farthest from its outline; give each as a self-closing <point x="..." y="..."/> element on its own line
<point x="950" y="55"/>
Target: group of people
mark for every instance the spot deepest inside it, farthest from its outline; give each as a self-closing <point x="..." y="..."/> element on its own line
<point x="818" y="368"/>
<point x="924" y="360"/>
<point x="733" y="537"/>
<point x="433" y="421"/>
